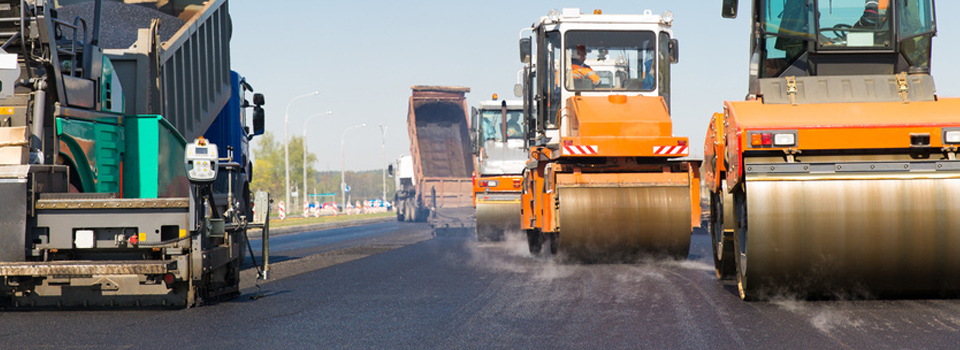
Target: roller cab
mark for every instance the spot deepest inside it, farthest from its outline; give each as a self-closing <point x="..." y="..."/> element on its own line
<point x="838" y="175"/>
<point x="604" y="181"/>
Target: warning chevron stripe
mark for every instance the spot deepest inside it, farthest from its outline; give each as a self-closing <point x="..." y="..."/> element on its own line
<point x="579" y="150"/>
<point x="670" y="150"/>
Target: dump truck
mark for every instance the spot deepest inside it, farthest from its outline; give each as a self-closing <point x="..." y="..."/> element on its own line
<point x="837" y="175"/>
<point x="125" y="169"/>
<point x="438" y="127"/>
<point x="603" y="181"/>
<point x="499" y="148"/>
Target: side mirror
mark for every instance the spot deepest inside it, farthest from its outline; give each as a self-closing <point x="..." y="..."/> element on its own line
<point x="258" y="99"/>
<point x="518" y="90"/>
<point x="674" y="51"/>
<point x="729" y="8"/>
<point x="525" y="50"/>
<point x="390" y="170"/>
<point x="258" y="120"/>
<point x="474" y="130"/>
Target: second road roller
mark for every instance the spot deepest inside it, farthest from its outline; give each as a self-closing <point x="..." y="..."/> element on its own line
<point x="603" y="182"/>
<point x="838" y="175"/>
<point x="499" y="150"/>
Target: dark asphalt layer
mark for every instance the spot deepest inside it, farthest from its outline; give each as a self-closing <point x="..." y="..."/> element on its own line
<point x="452" y="292"/>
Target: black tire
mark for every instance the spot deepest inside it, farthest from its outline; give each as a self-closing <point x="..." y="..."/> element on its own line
<point x="554" y="243"/>
<point x="740" y="244"/>
<point x="723" y="254"/>
<point x="534" y="242"/>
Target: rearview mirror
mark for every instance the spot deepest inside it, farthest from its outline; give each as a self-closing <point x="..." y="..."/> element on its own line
<point x="257" y="119"/>
<point x="674" y="51"/>
<point x="258" y="99"/>
<point x="474" y="130"/>
<point x="729" y="9"/>
<point x="390" y="169"/>
<point x="525" y="50"/>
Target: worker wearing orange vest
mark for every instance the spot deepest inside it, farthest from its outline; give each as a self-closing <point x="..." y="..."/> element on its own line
<point x="581" y="70"/>
<point x="874" y="13"/>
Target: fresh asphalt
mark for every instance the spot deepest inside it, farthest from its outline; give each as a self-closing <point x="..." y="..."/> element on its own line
<point x="404" y="289"/>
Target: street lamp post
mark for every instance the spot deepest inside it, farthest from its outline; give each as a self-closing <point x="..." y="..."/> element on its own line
<point x="383" y="154"/>
<point x="286" y="145"/>
<point x="343" y="184"/>
<point x="305" y="192"/>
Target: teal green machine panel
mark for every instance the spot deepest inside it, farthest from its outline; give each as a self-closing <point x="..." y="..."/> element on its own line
<point x="153" y="166"/>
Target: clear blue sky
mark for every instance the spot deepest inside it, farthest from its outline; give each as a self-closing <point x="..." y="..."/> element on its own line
<point x="363" y="56"/>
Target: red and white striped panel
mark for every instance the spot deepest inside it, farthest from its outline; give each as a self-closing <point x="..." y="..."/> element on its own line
<point x="579" y="150"/>
<point x="670" y="150"/>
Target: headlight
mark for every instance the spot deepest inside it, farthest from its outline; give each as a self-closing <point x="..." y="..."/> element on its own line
<point x="951" y="136"/>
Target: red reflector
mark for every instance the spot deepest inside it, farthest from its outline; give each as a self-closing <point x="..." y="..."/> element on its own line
<point x="516" y="183"/>
<point x="567" y="143"/>
<point x="168" y="278"/>
<point x="682" y="143"/>
<point x="767" y="139"/>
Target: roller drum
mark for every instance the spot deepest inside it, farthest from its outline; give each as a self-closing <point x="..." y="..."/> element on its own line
<point x="494" y="219"/>
<point x="623" y="224"/>
<point x="859" y="237"/>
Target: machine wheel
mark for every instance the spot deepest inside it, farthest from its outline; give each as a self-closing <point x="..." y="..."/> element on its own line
<point x="554" y="243"/>
<point x="414" y="212"/>
<point x="740" y="245"/>
<point x="723" y="254"/>
<point x="534" y="241"/>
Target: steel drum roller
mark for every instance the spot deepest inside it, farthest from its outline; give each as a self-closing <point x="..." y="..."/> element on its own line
<point x="871" y="236"/>
<point x="624" y="223"/>
<point x="496" y="218"/>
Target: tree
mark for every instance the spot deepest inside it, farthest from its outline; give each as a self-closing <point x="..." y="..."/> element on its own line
<point x="269" y="172"/>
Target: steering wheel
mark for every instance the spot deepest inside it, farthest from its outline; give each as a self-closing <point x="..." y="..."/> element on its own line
<point x="840" y="30"/>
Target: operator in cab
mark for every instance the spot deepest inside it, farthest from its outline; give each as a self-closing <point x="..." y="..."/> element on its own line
<point x="580" y="70"/>
<point x="874" y="14"/>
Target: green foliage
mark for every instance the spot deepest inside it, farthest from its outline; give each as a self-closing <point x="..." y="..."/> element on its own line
<point x="268" y="173"/>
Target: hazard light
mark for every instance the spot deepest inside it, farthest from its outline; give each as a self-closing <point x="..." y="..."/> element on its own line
<point x="667" y="17"/>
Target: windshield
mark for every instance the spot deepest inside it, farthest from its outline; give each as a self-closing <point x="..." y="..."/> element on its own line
<point x="790" y="25"/>
<point x="855" y="23"/>
<point x="610" y="60"/>
<point x="491" y="124"/>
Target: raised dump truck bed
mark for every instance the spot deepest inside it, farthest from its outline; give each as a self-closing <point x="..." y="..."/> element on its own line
<point x="440" y="144"/>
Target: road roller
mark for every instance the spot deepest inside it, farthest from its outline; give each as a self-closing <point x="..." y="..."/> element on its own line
<point x="837" y="176"/>
<point x="605" y="180"/>
<point x="499" y="149"/>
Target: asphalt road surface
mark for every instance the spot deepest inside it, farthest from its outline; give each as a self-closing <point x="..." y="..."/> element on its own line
<point x="393" y="286"/>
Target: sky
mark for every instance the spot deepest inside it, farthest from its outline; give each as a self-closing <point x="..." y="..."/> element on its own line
<point x="363" y="57"/>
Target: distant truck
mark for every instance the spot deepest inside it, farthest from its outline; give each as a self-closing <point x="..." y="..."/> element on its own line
<point x="405" y="197"/>
<point x="442" y="192"/>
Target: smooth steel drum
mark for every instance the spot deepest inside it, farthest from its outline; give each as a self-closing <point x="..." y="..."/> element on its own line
<point x="869" y="236"/>
<point x="624" y="224"/>
<point x="494" y="219"/>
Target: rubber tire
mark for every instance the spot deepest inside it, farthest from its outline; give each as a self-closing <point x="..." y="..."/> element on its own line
<point x="740" y="245"/>
<point x="534" y="242"/>
<point x="723" y="254"/>
<point x="554" y="243"/>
